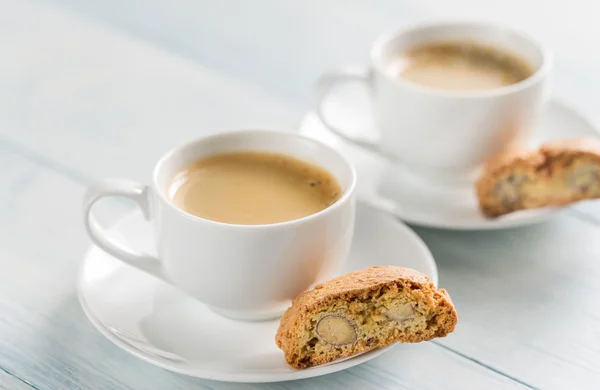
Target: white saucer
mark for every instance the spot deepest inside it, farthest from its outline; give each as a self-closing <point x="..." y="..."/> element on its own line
<point x="392" y="188"/>
<point x="160" y="325"/>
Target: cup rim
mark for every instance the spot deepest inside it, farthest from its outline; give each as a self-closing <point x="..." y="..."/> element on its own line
<point x="346" y="196"/>
<point x="540" y="74"/>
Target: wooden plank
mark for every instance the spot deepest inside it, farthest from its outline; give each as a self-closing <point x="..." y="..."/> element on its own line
<point x="90" y="98"/>
<point x="10" y="382"/>
<point x="527" y="299"/>
<point x="286" y="46"/>
<point x="256" y="33"/>
<point x="46" y="339"/>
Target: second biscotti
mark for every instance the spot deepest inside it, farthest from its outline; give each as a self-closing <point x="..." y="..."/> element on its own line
<point x="558" y="173"/>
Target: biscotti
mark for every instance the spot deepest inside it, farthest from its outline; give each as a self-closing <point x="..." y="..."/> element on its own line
<point x="556" y="174"/>
<point x="363" y="310"/>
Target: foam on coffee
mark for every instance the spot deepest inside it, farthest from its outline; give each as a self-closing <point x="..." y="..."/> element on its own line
<point x="460" y="66"/>
<point x="251" y="188"/>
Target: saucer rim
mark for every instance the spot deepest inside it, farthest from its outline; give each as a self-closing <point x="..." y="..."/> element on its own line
<point x="531" y="217"/>
<point x="539" y="216"/>
<point x="222" y="376"/>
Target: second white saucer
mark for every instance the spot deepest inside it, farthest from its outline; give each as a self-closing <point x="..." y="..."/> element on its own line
<point x="392" y="188"/>
<point x="159" y="324"/>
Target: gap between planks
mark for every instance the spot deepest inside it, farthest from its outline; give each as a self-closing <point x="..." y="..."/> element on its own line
<point x="20" y="381"/>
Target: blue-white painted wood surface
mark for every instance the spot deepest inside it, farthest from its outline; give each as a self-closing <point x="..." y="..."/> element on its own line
<point x="95" y="89"/>
<point x="10" y="382"/>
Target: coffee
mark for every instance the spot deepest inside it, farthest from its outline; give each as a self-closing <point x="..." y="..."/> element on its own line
<point x="252" y="188"/>
<point x="461" y="66"/>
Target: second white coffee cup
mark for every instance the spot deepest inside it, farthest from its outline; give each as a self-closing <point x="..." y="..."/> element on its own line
<point x="439" y="133"/>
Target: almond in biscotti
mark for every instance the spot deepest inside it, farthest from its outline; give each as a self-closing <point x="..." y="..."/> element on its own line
<point x="558" y="173"/>
<point x="363" y="310"/>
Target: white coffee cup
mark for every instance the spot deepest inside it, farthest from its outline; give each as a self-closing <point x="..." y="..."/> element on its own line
<point x="247" y="272"/>
<point x="443" y="134"/>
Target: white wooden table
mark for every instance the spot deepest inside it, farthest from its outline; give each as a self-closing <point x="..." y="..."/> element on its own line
<point x="96" y="89"/>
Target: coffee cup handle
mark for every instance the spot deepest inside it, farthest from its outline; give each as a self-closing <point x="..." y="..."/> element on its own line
<point x="139" y="193"/>
<point x="324" y="86"/>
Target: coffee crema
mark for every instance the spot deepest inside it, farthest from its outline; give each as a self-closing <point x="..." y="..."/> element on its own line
<point x="461" y="66"/>
<point x="253" y="188"/>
